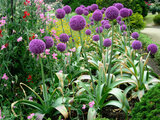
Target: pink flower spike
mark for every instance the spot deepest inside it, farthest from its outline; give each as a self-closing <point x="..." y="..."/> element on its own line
<point x="47" y="51"/>
<point x="54" y="56"/>
<point x="19" y="39"/>
<point x="84" y="106"/>
<point x="42" y="30"/>
<point x="60" y="71"/>
<point x="67" y="54"/>
<point x="41" y="15"/>
<point x="91" y="104"/>
<point x="53" y="31"/>
<point x="5" y="76"/>
<point x="73" y="49"/>
<point x="2" y="47"/>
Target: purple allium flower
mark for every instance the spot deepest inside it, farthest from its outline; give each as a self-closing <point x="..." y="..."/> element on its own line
<point x="112" y="12"/>
<point x="135" y="35"/>
<point x="86" y="8"/>
<point x="136" y="45"/>
<point x="97" y="15"/>
<point x="67" y="9"/>
<point x="49" y="41"/>
<point x="64" y="38"/>
<point x="118" y="5"/>
<point x="92" y="23"/>
<point x="99" y="29"/>
<point x="88" y="32"/>
<point x="107" y="26"/>
<point x="85" y="12"/>
<point x="102" y="22"/>
<point x="123" y="27"/>
<point x="37" y="46"/>
<point x="130" y="12"/>
<point x="152" y="48"/>
<point x="118" y="18"/>
<point x="82" y="6"/>
<point x="124" y="12"/>
<point x="107" y="42"/>
<point x="91" y="18"/>
<point x="60" y="13"/>
<point x="95" y="37"/>
<point x="105" y="18"/>
<point x="102" y="11"/>
<point x="94" y="7"/>
<point x="121" y="22"/>
<point x="79" y="10"/>
<point x="61" y="47"/>
<point x="77" y="23"/>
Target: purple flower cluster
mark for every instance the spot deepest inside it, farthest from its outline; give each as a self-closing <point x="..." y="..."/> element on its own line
<point x="94" y="7"/>
<point x="135" y="35"/>
<point x="123" y="27"/>
<point x="136" y="45"/>
<point x="85" y="12"/>
<point x="112" y="12"/>
<point x="61" y="47"/>
<point x="152" y="48"/>
<point x="107" y="26"/>
<point x="99" y="29"/>
<point x="107" y="42"/>
<point x="64" y="38"/>
<point x="95" y="37"/>
<point x="49" y="41"/>
<point x="119" y="5"/>
<point x="60" y="13"/>
<point x="124" y="12"/>
<point x="67" y="9"/>
<point x="79" y="10"/>
<point x="97" y="15"/>
<point x="37" y="46"/>
<point x="88" y="32"/>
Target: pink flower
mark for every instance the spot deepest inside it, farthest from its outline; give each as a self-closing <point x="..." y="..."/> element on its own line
<point x="36" y="36"/>
<point x="5" y="76"/>
<point x="5" y="85"/>
<point x="2" y="47"/>
<point x="4" y="17"/>
<point x="73" y="49"/>
<point x="67" y="54"/>
<point x="30" y="116"/>
<point x="54" y="21"/>
<point x="41" y="15"/>
<point x="54" y="56"/>
<point x="31" y="98"/>
<point x="91" y="104"/>
<point x="47" y="51"/>
<point x="1" y="115"/>
<point x="53" y="31"/>
<point x="19" y="39"/>
<point x="84" y="106"/>
<point x="42" y="30"/>
<point x="60" y="71"/>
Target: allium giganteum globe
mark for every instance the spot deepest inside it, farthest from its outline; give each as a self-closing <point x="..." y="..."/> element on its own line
<point x="77" y="23"/>
<point x="64" y="38"/>
<point x="124" y="12"/>
<point x="107" y="42"/>
<point x="112" y="12"/>
<point x="61" y="47"/>
<point x="48" y="41"/>
<point x="60" y="13"/>
<point x="37" y="46"/>
<point x="118" y="5"/>
<point x="97" y="15"/>
<point x="88" y="32"/>
<point x="67" y="9"/>
<point x="136" y="45"/>
<point x="79" y="10"/>
<point x="135" y="35"/>
<point x="99" y="29"/>
<point x="95" y="37"/>
<point x="152" y="48"/>
<point x="94" y="7"/>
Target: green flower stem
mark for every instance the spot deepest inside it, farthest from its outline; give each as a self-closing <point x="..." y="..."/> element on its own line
<point x="101" y="42"/>
<point x="85" y="57"/>
<point x="128" y="33"/>
<point x="62" y="26"/>
<point x="43" y="80"/>
<point x="110" y="61"/>
<point x="50" y="66"/>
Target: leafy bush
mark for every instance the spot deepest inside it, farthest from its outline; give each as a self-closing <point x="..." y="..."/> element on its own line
<point x="156" y="19"/>
<point x="149" y="107"/>
<point x="75" y="3"/>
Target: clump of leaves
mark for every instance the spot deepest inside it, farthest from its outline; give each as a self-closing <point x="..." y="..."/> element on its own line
<point x="149" y="106"/>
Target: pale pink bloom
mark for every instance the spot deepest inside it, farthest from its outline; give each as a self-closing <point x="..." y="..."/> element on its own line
<point x="14" y="31"/>
<point x="12" y="82"/>
<point x="73" y="49"/>
<point x="30" y="116"/>
<point x="54" y="56"/>
<point x="53" y="31"/>
<point x="41" y="15"/>
<point x="19" y="39"/>
<point x="5" y="76"/>
<point x="3" y="22"/>
<point x="42" y="55"/>
<point x="32" y="55"/>
<point x="1" y="117"/>
<point x="31" y="98"/>
<point x="91" y="104"/>
<point x="54" y="21"/>
<point x="16" y="94"/>
<point x="2" y="47"/>
<point x="47" y="51"/>
<point x="4" y="17"/>
<point x="36" y="36"/>
<point x="52" y="13"/>
<point x="42" y="30"/>
<point x="5" y="85"/>
<point x="60" y="71"/>
<point x="84" y="106"/>
<point x="67" y="54"/>
<point x="37" y="57"/>
<point x="49" y="8"/>
<point x="57" y="38"/>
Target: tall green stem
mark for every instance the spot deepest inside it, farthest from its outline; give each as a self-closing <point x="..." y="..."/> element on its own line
<point x="85" y="57"/>
<point x="62" y="26"/>
<point x="101" y="42"/>
<point x="43" y="80"/>
<point x="110" y="61"/>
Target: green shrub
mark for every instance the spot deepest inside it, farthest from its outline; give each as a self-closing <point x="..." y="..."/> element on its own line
<point x="75" y="3"/>
<point x="156" y="19"/>
<point x="149" y="107"/>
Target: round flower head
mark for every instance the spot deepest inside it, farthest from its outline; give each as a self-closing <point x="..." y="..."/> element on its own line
<point x="135" y="35"/>
<point x="124" y="12"/>
<point x="112" y="12"/>
<point x="94" y="7"/>
<point x="102" y="11"/>
<point x="64" y="38"/>
<point x="60" y="13"/>
<point x="118" y="18"/>
<point x="99" y="29"/>
<point x="97" y="15"/>
<point x="107" y="26"/>
<point x="86" y="8"/>
<point x="136" y="45"/>
<point x="152" y="48"/>
<point x="49" y="41"/>
<point x="77" y="23"/>
<point x="82" y="6"/>
<point x="130" y="12"/>
<point x="107" y="42"/>
<point x="61" y="47"/>
<point x="123" y="27"/>
<point x="91" y="18"/>
<point x="92" y="23"/>
<point x="37" y="46"/>
<point x="95" y="37"/>
<point x="88" y="32"/>
<point x="85" y="12"/>
<point x="121" y="22"/>
<point x="105" y="18"/>
<point x="89" y="8"/>
<point x="118" y="5"/>
<point x="79" y="10"/>
<point x="102" y="22"/>
<point x="67" y="9"/>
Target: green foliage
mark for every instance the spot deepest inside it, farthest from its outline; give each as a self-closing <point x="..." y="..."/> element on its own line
<point x="149" y="107"/>
<point x="156" y="19"/>
<point x="136" y="21"/>
<point x="101" y="119"/>
<point x="76" y="3"/>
